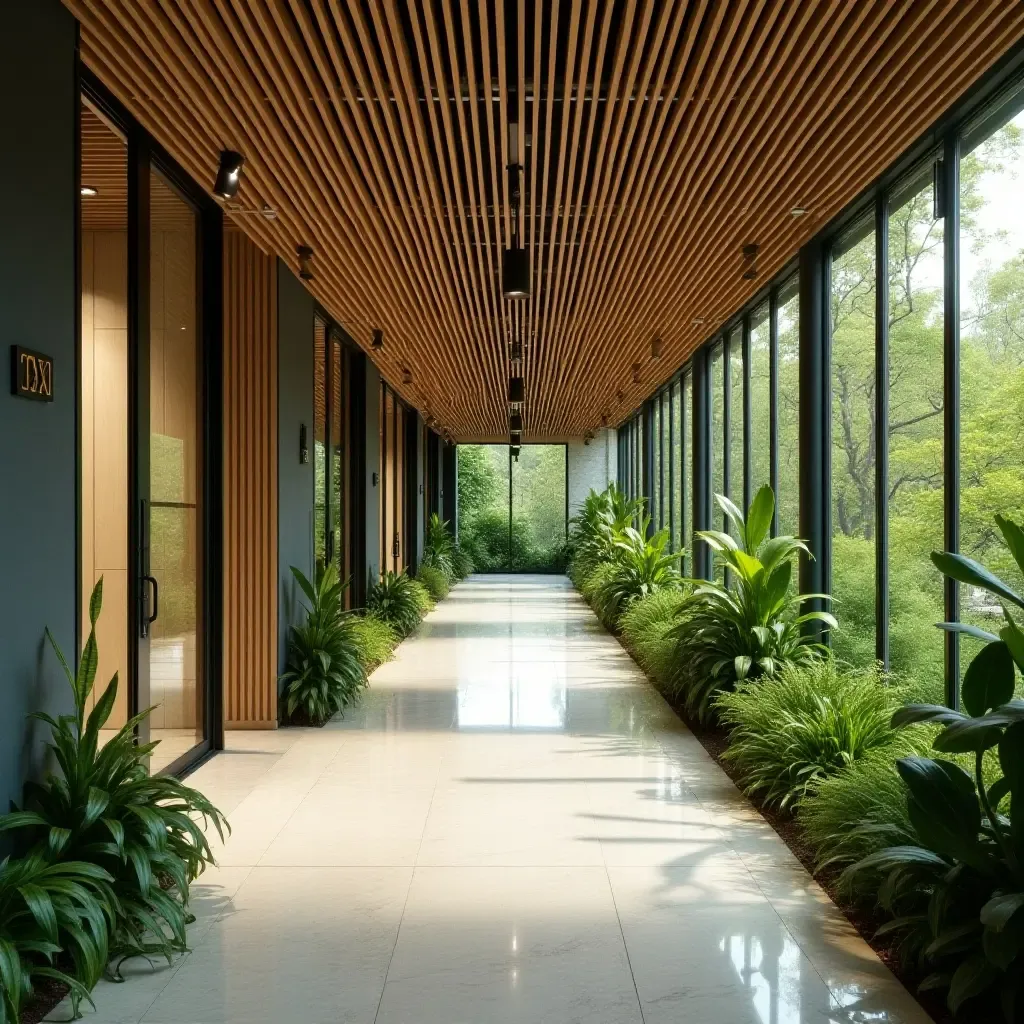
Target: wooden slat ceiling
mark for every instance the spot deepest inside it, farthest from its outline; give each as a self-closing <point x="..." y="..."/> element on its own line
<point x="659" y="138"/>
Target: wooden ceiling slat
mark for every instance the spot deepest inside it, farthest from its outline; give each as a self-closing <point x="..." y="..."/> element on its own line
<point x="662" y="137"/>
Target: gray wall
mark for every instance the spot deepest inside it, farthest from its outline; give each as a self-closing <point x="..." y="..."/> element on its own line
<point x="373" y="525"/>
<point x="294" y="479"/>
<point x="38" y="441"/>
<point x="591" y="465"/>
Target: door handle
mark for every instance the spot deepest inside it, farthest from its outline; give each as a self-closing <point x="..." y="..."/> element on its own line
<point x="156" y="600"/>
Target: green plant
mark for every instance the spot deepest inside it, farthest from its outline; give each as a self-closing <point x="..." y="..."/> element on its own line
<point x="324" y="672"/>
<point x="603" y="516"/>
<point x="374" y="639"/>
<point x="956" y="892"/>
<point x="807" y="722"/>
<point x="751" y="628"/>
<point x="645" y="626"/>
<point x="439" y="548"/>
<point x="435" y="580"/>
<point x="46" y="909"/>
<point x="105" y="808"/>
<point x="398" y="600"/>
<point x="640" y="566"/>
<point x="462" y="562"/>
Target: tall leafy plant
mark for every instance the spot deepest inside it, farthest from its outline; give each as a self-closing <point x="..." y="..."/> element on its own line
<point x="439" y="547"/>
<point x="48" y="909"/>
<point x="752" y="627"/>
<point x="398" y="600"/>
<point x="956" y="894"/>
<point x="325" y="671"/>
<point x="603" y="516"/>
<point x="640" y="565"/>
<point x="105" y="808"/>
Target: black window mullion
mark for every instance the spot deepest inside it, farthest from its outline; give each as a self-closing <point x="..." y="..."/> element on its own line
<point x="950" y="184"/>
<point x="671" y="462"/>
<point x="660" y="468"/>
<point x="881" y="439"/>
<point x="726" y="437"/>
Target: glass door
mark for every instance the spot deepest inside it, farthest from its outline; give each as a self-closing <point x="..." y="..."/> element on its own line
<point x="170" y="650"/>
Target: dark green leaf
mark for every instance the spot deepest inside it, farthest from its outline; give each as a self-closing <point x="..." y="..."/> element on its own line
<point x="759" y="517"/>
<point x="997" y="912"/>
<point x="974" y="574"/>
<point x="970" y="979"/>
<point x="989" y="679"/>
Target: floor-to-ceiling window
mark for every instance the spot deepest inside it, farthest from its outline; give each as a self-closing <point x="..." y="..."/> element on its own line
<point x="760" y="397"/>
<point x="788" y="333"/>
<point x="991" y="358"/>
<point x="853" y="396"/>
<point x="734" y="394"/>
<point x="512" y="511"/>
<point x="686" y="440"/>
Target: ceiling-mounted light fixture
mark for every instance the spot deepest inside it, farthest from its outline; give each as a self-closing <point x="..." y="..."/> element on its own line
<point x="750" y="261"/>
<point x="514" y="449"/>
<point x="636" y="373"/>
<point x="516" y="389"/>
<point x="515" y="422"/>
<point x="305" y="254"/>
<point x="515" y="351"/>
<point x="377" y="341"/>
<point x="89" y="190"/>
<point x="797" y="211"/>
<point x="697" y="321"/>
<point x="619" y="396"/>
<point x="229" y="174"/>
<point x="604" y="419"/>
<point x="406" y="376"/>
<point x="656" y="347"/>
<point x="515" y="438"/>
<point x="515" y="261"/>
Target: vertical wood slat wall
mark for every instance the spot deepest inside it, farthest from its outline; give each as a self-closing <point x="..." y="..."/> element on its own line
<point x="250" y="486"/>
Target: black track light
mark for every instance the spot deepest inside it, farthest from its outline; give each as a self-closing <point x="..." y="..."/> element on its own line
<point x="515" y="422"/>
<point x="515" y="273"/>
<point x="229" y="174"/>
<point x="407" y="376"/>
<point x="515" y="452"/>
<point x="377" y="342"/>
<point x="515" y="438"/>
<point x="305" y="262"/>
<point x="516" y="389"/>
<point x="750" y="261"/>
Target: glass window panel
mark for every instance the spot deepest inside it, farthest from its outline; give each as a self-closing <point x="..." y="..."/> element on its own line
<point x="788" y="327"/>
<point x="717" y="441"/>
<point x="176" y="685"/>
<point x="538" y="506"/>
<point x="915" y="437"/>
<point x="666" y="461"/>
<point x="337" y="435"/>
<point x="736" y="418"/>
<point x="852" y="312"/>
<point x="678" y="430"/>
<point x="483" y="495"/>
<point x="687" y="521"/>
<point x="320" y="441"/>
<point x="655" y="508"/>
<point x="991" y="361"/>
<point x="760" y="398"/>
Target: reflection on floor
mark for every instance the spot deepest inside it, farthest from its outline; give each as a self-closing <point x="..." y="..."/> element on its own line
<point x="513" y="828"/>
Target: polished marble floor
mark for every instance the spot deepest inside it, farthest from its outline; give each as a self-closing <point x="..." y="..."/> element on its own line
<point x="513" y="827"/>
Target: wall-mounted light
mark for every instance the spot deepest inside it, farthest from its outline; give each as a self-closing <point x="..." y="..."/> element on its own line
<point x="406" y="376"/>
<point x="89" y="190"/>
<point x="377" y="341"/>
<point x="516" y="389"/>
<point x="636" y="373"/>
<point x="305" y="255"/>
<point x="229" y="174"/>
<point x="656" y="347"/>
<point x="515" y="421"/>
<point x="750" y="252"/>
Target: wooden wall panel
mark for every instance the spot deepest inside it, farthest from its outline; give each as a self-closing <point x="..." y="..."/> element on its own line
<point x="250" y="486"/>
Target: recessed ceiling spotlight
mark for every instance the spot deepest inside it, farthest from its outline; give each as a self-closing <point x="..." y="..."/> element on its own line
<point x="619" y="396"/>
<point x="229" y="173"/>
<point x="656" y="346"/>
<point x="377" y="342"/>
<point x="90" y="190"/>
<point x="305" y="254"/>
<point x="636" y="373"/>
<point x="798" y="211"/>
<point x="268" y="212"/>
<point x="406" y="376"/>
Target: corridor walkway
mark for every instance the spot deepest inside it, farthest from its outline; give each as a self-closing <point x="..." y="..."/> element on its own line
<point x="513" y="827"/>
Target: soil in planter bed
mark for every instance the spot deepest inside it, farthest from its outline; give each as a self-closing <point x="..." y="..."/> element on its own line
<point x="715" y="741"/>
<point x="46" y="997"/>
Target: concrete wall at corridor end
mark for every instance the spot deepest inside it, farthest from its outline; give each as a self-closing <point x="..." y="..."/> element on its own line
<point x="591" y="466"/>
